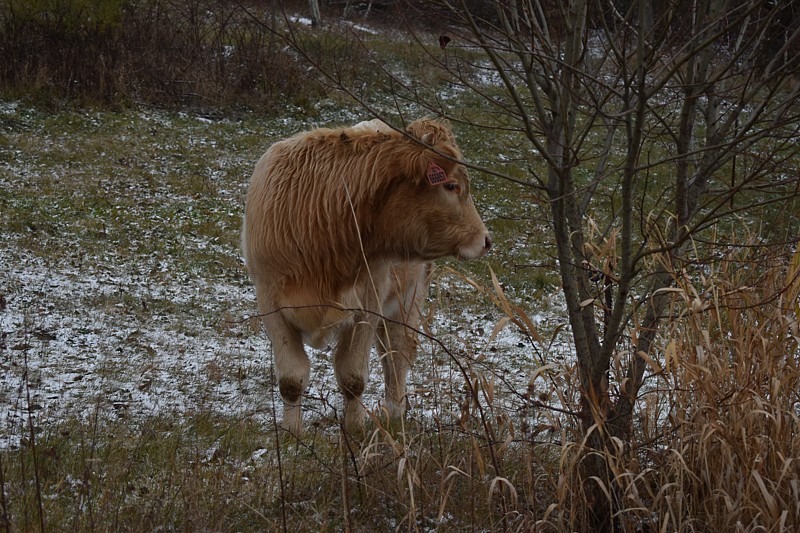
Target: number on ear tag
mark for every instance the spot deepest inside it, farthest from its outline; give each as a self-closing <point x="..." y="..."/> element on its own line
<point x="436" y="174"/>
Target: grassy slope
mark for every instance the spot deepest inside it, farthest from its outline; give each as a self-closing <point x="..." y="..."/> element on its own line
<point x="132" y="375"/>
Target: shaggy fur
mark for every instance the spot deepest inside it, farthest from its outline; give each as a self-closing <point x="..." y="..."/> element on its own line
<point x="340" y="226"/>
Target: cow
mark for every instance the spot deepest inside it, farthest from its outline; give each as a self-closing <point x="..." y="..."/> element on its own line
<point x="340" y="229"/>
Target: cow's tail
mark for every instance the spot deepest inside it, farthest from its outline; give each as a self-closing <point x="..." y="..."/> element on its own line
<point x="243" y="245"/>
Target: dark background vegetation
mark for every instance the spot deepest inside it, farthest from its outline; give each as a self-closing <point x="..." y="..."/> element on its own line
<point x="215" y="55"/>
<point x="208" y="54"/>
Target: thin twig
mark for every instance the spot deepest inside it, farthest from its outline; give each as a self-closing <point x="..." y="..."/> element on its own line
<point x="278" y="452"/>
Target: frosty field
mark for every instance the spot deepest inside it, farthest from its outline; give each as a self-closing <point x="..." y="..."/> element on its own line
<point x="125" y="296"/>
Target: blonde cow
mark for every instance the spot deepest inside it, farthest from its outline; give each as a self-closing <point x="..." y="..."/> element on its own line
<point x="339" y="231"/>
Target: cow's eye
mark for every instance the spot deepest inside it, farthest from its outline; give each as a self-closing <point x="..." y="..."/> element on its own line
<point x="452" y="187"/>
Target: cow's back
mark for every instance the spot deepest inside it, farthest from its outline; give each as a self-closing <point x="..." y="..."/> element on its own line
<point x="293" y="218"/>
<point x="310" y="198"/>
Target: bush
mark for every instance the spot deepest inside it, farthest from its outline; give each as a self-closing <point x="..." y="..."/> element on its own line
<point x="202" y="53"/>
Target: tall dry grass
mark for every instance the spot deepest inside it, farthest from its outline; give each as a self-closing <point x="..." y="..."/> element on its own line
<point x="715" y="447"/>
<point x="717" y="437"/>
<point x="732" y="369"/>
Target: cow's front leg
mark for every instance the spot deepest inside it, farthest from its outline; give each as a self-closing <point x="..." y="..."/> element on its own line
<point x="351" y="366"/>
<point x="398" y="347"/>
<point x="397" y="334"/>
<point x="292" y="367"/>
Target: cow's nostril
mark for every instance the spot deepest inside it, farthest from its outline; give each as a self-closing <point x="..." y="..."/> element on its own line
<point x="488" y="242"/>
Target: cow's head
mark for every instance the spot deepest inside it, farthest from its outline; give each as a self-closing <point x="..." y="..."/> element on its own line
<point x="431" y="205"/>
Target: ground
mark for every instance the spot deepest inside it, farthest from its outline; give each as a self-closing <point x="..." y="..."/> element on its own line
<point x="124" y="292"/>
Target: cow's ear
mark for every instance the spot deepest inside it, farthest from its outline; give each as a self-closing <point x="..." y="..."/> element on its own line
<point x="431" y="132"/>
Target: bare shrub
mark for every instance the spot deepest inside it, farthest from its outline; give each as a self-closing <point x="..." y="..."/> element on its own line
<point x="202" y="53"/>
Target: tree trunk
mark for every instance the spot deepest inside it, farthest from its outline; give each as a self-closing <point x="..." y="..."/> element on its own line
<point x="313" y="8"/>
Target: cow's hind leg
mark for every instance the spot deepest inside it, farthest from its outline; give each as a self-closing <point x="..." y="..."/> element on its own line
<point x="351" y="366"/>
